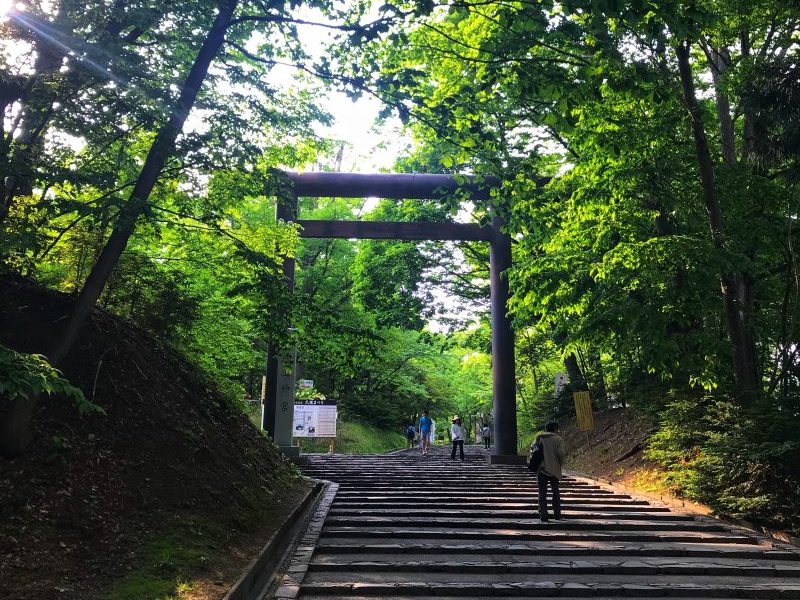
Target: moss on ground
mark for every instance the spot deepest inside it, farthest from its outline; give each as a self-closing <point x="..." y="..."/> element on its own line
<point x="169" y="560"/>
<point x="192" y="553"/>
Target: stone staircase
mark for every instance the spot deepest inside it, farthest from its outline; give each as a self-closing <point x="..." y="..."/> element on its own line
<point x="403" y="526"/>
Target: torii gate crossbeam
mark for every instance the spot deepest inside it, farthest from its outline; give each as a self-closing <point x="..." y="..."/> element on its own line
<point x="413" y="186"/>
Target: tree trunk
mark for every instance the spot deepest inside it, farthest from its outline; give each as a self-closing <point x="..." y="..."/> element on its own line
<point x="160" y="150"/>
<point x="576" y="379"/>
<point x="748" y="127"/>
<point x="37" y="108"/>
<point x="15" y="431"/>
<point x="737" y="288"/>
<point x="719" y="70"/>
<point x="600" y="392"/>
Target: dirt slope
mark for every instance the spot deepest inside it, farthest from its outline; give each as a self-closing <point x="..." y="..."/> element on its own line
<point x="613" y="452"/>
<point x="173" y="478"/>
<point x="614" y="448"/>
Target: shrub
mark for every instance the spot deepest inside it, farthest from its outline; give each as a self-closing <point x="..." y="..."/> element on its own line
<point x="743" y="462"/>
<point x="25" y="376"/>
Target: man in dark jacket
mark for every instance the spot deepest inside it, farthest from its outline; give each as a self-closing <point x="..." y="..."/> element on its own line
<point x="550" y="470"/>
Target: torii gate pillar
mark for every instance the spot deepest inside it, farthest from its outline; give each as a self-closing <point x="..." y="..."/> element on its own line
<point x="277" y="411"/>
<point x="503" y="368"/>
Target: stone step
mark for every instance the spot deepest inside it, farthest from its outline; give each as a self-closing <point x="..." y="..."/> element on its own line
<point x="549" y="588"/>
<point x="423" y="499"/>
<point x="472" y="530"/>
<point x="612" y="523"/>
<point x="549" y="532"/>
<point x="449" y="468"/>
<point x="413" y="469"/>
<point x="466" y="485"/>
<point x="604" y="505"/>
<point x="552" y="565"/>
<point x="463" y="473"/>
<point x="311" y="596"/>
<point x="433" y="495"/>
<point x="387" y="479"/>
<point x="561" y="548"/>
<point x="569" y="512"/>
<point x="442" y="487"/>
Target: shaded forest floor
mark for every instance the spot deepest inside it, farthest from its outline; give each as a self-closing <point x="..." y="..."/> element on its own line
<point x="613" y="452"/>
<point x="167" y="495"/>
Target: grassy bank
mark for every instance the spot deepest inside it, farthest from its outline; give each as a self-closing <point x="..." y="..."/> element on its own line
<point x="197" y="558"/>
<point x="357" y="438"/>
<point x="351" y="437"/>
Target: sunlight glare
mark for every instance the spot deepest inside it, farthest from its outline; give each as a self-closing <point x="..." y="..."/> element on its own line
<point x="5" y="7"/>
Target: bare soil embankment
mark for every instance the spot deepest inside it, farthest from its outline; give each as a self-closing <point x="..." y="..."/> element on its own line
<point x="171" y="492"/>
<point x="614" y="452"/>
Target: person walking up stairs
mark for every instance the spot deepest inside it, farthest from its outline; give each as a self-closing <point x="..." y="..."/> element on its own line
<point x="425" y="424"/>
<point x="549" y="472"/>
<point x="457" y="435"/>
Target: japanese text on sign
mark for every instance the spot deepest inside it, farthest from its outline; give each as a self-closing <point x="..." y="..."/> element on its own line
<point x="314" y="419"/>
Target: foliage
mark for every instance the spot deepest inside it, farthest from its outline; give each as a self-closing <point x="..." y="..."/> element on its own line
<point x="370" y="356"/>
<point x="25" y="376"/>
<point x="308" y="393"/>
<point x="648" y="161"/>
<point x="659" y="260"/>
<point x="742" y="462"/>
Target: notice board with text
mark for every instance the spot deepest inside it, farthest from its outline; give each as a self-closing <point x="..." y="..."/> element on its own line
<point x="314" y="419"/>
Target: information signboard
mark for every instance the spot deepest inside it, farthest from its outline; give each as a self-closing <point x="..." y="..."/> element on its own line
<point x="583" y="410"/>
<point x="314" y="419"/>
<point x="561" y="383"/>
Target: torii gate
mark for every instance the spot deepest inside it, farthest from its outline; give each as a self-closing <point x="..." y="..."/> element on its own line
<point x="278" y="413"/>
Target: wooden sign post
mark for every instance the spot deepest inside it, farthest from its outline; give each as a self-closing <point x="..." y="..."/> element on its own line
<point x="583" y="412"/>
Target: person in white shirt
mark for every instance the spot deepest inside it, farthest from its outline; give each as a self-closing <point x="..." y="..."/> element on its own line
<point x="457" y="435"/>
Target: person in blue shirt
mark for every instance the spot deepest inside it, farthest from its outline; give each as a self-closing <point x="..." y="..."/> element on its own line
<point x="425" y="431"/>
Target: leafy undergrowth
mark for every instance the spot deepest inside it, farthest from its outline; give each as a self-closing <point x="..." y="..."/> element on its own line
<point x="168" y="494"/>
<point x="627" y="449"/>
<point x="357" y="438"/>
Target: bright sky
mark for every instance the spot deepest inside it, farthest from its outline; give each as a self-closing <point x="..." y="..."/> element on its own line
<point x="369" y="148"/>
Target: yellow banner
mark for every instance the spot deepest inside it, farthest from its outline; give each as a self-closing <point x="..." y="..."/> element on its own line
<point x="583" y="410"/>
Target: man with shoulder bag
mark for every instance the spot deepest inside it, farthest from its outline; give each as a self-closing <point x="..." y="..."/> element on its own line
<point x="546" y="458"/>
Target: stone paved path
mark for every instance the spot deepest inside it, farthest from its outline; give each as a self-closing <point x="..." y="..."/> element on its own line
<point x="403" y="526"/>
